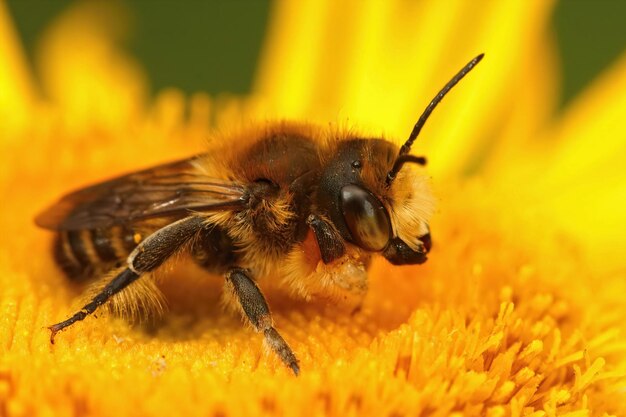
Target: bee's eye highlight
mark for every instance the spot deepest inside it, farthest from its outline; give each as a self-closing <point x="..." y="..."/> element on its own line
<point x="366" y="218"/>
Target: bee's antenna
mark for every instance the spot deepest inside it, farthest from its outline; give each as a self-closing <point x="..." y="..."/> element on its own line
<point x="403" y="159"/>
<point x="391" y="175"/>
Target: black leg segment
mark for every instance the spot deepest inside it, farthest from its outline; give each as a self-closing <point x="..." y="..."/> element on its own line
<point x="149" y="255"/>
<point x="328" y="238"/>
<point x="121" y="281"/>
<point x="257" y="311"/>
<point x="163" y="243"/>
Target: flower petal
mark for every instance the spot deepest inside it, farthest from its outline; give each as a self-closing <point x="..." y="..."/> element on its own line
<point x="575" y="173"/>
<point x="16" y="88"/>
<point x="85" y="72"/>
<point x="379" y="64"/>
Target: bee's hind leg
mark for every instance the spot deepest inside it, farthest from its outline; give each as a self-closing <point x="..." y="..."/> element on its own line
<point x="146" y="257"/>
<point x="121" y="281"/>
<point x="258" y="313"/>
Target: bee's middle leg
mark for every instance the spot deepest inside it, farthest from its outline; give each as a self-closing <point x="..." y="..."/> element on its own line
<point x="256" y="310"/>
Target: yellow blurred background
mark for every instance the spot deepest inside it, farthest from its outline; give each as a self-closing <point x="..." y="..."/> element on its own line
<point x="519" y="310"/>
<point x="214" y="46"/>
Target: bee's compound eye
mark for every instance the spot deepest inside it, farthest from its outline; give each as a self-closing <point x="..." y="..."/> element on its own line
<point x="366" y="218"/>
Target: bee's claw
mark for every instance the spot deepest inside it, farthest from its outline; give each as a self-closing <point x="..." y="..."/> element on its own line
<point x="53" y="332"/>
<point x="54" y="329"/>
<point x="295" y="368"/>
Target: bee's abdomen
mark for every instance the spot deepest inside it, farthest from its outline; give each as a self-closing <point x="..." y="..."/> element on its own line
<point x="82" y="253"/>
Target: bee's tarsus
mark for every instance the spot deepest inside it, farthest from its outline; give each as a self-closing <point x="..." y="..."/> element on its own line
<point x="295" y="368"/>
<point x="256" y="310"/>
<point x="148" y="255"/>
<point x="53" y="332"/>
<point x="282" y="349"/>
<point x="117" y="284"/>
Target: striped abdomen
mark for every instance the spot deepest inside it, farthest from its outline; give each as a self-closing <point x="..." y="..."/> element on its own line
<point x="83" y="253"/>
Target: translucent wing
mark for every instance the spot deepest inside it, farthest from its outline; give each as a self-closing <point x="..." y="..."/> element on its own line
<point x="164" y="190"/>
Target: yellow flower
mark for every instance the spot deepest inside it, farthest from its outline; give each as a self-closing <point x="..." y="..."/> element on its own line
<point x="519" y="311"/>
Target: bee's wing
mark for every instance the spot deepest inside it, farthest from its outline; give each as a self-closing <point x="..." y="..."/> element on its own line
<point x="164" y="190"/>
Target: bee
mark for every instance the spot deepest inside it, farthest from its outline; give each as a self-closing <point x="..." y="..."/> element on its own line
<point x="291" y="203"/>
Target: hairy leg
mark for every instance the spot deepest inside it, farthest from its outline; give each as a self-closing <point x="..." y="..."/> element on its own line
<point x="149" y="255"/>
<point x="258" y="313"/>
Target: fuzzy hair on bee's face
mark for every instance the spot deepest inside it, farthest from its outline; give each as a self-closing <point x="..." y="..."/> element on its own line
<point x="409" y="199"/>
<point x="411" y="205"/>
<point x="362" y="165"/>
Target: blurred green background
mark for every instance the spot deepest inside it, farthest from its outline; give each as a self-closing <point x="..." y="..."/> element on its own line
<point x="174" y="39"/>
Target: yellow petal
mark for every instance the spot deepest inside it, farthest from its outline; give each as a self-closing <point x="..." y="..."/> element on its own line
<point x="574" y="174"/>
<point x="505" y="318"/>
<point x="84" y="70"/>
<point x="378" y="64"/>
<point x="589" y="140"/>
<point x="16" y="87"/>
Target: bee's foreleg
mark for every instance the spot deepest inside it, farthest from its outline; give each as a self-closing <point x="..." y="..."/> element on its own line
<point x="328" y="238"/>
<point x="258" y="313"/>
<point x="147" y="256"/>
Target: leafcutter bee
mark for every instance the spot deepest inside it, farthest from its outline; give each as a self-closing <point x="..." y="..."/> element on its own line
<point x="290" y="202"/>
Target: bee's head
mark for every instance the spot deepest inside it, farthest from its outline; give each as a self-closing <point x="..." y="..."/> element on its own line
<point x="376" y="197"/>
<point x="390" y="219"/>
